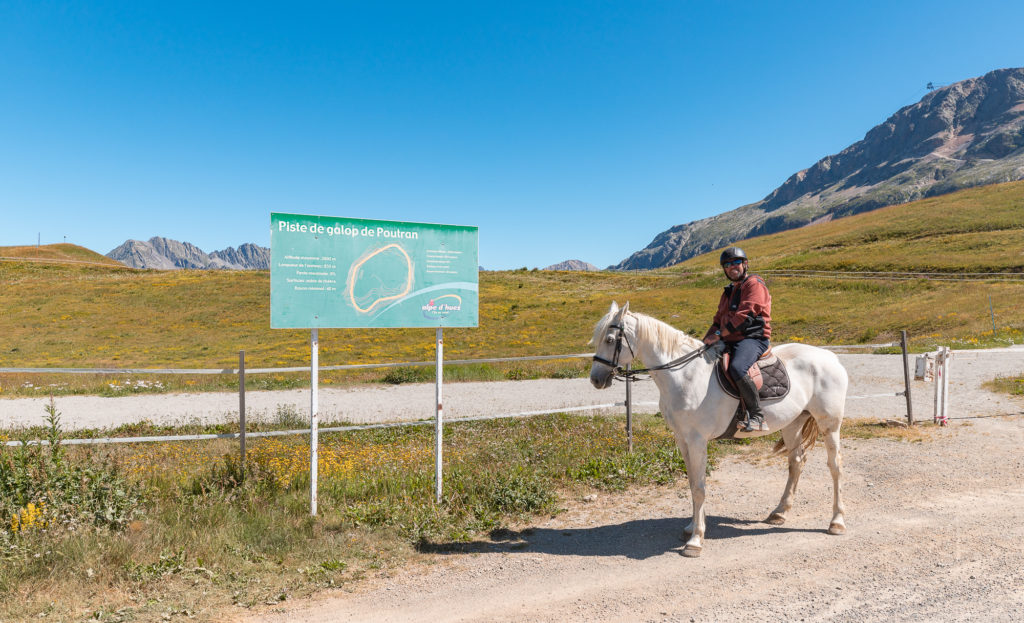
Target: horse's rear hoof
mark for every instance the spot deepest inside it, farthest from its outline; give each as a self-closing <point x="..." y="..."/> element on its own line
<point x="692" y="551"/>
<point x="837" y="528"/>
<point x="775" y="519"/>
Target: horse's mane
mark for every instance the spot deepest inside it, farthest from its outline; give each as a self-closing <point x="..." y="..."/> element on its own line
<point x="667" y="338"/>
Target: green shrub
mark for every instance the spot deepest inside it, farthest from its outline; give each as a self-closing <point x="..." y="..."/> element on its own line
<point x="41" y="487"/>
<point x="408" y="374"/>
<point x="520" y="493"/>
<point x="570" y="372"/>
<point x="517" y="374"/>
<point x="167" y="564"/>
<point x="659" y="465"/>
<point x="289" y="417"/>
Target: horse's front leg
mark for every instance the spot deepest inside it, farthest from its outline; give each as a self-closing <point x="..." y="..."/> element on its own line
<point x="688" y="530"/>
<point x="696" y="470"/>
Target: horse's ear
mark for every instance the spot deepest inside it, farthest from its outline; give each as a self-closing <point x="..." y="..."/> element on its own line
<point x="614" y="308"/>
<point x="622" y="312"/>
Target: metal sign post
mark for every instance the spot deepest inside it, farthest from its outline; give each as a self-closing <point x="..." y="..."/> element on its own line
<point x="314" y="386"/>
<point x="629" y="410"/>
<point x="439" y="422"/>
<point x="241" y="410"/>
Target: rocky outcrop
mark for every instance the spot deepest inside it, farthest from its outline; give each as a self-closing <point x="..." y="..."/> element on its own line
<point x="246" y="256"/>
<point x="572" y="265"/>
<point x="970" y="133"/>
<point x="167" y="254"/>
<point x="138" y="254"/>
<point x="180" y="254"/>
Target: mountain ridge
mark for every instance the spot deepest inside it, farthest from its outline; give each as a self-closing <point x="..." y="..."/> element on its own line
<point x="970" y="133"/>
<point x="167" y="254"/>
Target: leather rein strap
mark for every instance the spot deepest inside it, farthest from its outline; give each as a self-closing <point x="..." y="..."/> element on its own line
<point x="623" y="374"/>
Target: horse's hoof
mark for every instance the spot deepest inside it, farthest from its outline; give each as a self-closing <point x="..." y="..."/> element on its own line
<point x="837" y="528"/>
<point x="776" y="519"/>
<point x="692" y="551"/>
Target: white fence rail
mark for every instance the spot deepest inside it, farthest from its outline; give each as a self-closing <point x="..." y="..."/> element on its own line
<point x="356" y="366"/>
<point x="243" y="435"/>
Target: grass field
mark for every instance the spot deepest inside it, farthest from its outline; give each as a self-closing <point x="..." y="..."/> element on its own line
<point x="78" y="315"/>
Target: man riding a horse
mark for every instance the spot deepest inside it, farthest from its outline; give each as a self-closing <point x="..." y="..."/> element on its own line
<point x="743" y="322"/>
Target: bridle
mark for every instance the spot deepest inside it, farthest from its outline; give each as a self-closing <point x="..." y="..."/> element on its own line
<point x="620" y="337"/>
<point x="624" y="374"/>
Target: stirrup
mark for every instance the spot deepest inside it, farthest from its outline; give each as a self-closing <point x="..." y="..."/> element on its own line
<point x="753" y="425"/>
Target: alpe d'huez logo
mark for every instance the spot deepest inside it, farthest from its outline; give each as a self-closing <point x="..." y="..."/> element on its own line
<point x="442" y="306"/>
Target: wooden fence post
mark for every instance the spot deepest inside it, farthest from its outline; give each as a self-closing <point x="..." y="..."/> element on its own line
<point x="906" y="378"/>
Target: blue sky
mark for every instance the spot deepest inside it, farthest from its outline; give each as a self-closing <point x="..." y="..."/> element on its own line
<point x="562" y="129"/>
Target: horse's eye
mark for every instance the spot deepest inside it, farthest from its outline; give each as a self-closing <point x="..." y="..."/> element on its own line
<point x="609" y="340"/>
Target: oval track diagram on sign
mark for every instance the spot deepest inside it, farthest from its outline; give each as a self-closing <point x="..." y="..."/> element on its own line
<point x="373" y="281"/>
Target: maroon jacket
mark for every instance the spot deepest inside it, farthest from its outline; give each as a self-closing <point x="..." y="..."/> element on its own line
<point x="744" y="311"/>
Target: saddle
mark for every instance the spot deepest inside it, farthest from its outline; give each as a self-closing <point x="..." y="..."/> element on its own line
<point x="768" y="373"/>
<point x="772" y="382"/>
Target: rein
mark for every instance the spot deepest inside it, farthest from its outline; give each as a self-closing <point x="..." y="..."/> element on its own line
<point x="623" y="374"/>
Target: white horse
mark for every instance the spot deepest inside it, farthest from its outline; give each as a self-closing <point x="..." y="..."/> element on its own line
<point x="698" y="410"/>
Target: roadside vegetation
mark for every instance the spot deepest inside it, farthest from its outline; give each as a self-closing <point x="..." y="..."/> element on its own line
<point x="1013" y="384"/>
<point x="150" y="531"/>
<point x="158" y="531"/>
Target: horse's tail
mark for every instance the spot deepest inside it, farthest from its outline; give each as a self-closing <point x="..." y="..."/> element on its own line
<point x="808" y="437"/>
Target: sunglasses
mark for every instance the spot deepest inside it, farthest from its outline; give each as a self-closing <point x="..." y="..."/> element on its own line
<point x="736" y="262"/>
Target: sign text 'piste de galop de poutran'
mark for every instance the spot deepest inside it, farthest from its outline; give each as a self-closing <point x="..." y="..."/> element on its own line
<point x="342" y="272"/>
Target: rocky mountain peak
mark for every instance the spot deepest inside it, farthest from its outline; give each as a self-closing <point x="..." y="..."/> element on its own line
<point x="970" y="133"/>
<point x="166" y="254"/>
<point x="572" y="265"/>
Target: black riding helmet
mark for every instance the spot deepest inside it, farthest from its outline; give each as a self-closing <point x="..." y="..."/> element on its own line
<point x="732" y="253"/>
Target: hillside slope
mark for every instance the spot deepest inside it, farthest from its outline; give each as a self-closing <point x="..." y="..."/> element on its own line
<point x="967" y="134"/>
<point x="977" y="230"/>
<point x="68" y="253"/>
<point x="67" y="315"/>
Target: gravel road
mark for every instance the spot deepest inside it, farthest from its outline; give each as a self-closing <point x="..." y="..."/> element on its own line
<point x="935" y="533"/>
<point x="870" y="375"/>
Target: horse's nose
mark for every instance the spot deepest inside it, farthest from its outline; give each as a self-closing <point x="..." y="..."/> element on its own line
<point x="600" y="378"/>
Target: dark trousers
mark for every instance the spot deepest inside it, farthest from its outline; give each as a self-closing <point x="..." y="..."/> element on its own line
<point x="744" y="354"/>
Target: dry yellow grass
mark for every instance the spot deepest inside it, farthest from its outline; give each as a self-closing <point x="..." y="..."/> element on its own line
<point x="70" y="315"/>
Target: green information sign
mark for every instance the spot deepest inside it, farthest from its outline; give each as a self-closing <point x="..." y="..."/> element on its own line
<point x="342" y="272"/>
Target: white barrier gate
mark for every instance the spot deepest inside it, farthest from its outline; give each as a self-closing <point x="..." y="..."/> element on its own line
<point x="934" y="367"/>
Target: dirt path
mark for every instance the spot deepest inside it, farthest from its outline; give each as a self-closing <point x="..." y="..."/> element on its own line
<point x="935" y="533"/>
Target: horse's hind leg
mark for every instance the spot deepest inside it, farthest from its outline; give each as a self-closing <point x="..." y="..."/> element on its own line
<point x="838" y="524"/>
<point x="791" y="437"/>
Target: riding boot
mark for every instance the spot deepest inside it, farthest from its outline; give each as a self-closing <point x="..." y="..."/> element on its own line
<point x="748" y="393"/>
